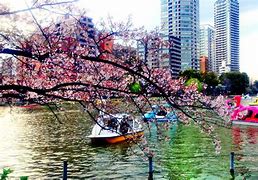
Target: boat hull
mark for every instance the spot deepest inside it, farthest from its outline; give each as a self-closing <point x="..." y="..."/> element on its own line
<point x="155" y="118"/>
<point x="253" y="104"/>
<point x="116" y="139"/>
<point x="161" y="120"/>
<point x="246" y="123"/>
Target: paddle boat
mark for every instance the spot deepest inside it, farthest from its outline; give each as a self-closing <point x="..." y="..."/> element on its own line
<point x="160" y="113"/>
<point x="245" y="115"/>
<point x="255" y="103"/>
<point x="247" y="96"/>
<point x="115" y="128"/>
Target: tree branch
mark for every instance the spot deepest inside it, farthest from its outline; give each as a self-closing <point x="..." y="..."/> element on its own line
<point x="36" y="7"/>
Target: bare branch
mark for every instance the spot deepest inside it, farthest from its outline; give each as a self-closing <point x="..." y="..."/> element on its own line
<point x="37" y="7"/>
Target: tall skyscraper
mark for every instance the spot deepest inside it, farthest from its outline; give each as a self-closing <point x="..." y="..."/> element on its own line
<point x="150" y="54"/>
<point x="226" y="20"/>
<point x="207" y="45"/>
<point x="156" y="57"/>
<point x="175" y="56"/>
<point x="180" y="18"/>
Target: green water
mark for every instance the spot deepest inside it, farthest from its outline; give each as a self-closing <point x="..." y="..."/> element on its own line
<point x="34" y="144"/>
<point x="192" y="155"/>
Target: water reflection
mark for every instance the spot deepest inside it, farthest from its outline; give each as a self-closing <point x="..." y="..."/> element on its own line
<point x="35" y="145"/>
<point x="192" y="156"/>
<point x="237" y="139"/>
<point x="250" y="134"/>
<point x="246" y="148"/>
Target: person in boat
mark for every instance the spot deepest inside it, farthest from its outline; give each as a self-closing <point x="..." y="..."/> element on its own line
<point x="124" y="126"/>
<point x="230" y="104"/>
<point x="112" y="123"/>
<point x="162" y="111"/>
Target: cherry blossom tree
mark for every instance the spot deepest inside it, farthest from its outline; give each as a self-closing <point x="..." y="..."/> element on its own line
<point x="69" y="59"/>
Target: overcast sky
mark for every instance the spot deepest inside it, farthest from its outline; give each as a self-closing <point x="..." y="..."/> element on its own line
<point x="147" y="13"/>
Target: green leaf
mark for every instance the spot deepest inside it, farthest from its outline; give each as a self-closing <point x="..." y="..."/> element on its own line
<point x="24" y="178"/>
<point x="5" y="174"/>
<point x="192" y="81"/>
<point x="135" y="87"/>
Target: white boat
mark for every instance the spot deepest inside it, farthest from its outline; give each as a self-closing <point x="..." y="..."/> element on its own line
<point x="115" y="128"/>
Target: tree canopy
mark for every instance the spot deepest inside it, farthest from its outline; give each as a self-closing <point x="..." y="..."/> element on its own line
<point x="235" y="82"/>
<point x="255" y="87"/>
<point x="208" y="79"/>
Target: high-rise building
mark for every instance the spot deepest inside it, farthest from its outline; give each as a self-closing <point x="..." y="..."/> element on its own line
<point x="86" y="34"/>
<point x="180" y="18"/>
<point x="204" y="66"/>
<point x="226" y="20"/>
<point x="207" y="45"/>
<point x="175" y="56"/>
<point x="161" y="57"/>
<point x="149" y="53"/>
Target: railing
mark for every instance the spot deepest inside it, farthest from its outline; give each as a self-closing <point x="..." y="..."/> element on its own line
<point x="65" y="168"/>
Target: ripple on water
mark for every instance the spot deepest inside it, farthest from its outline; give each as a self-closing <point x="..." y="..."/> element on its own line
<point x="35" y="145"/>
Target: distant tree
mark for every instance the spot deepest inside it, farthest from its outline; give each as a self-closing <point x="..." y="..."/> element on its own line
<point x="245" y="79"/>
<point x="254" y="87"/>
<point x="235" y="82"/>
<point x="191" y="73"/>
<point x="211" y="80"/>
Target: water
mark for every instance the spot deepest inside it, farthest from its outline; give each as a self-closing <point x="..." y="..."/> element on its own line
<point x="34" y="144"/>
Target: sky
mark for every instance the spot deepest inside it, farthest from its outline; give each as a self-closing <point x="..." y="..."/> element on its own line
<point x="147" y="13"/>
